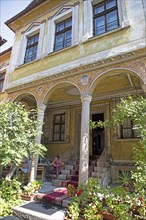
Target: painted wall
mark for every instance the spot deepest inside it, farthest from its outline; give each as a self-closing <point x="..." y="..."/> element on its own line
<point x="112" y="43"/>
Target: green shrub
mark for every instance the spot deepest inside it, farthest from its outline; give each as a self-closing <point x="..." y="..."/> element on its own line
<point x="10" y="196"/>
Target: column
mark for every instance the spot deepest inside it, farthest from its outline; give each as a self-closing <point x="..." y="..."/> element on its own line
<point x="84" y="145"/>
<point x="144" y="88"/>
<point x="40" y="118"/>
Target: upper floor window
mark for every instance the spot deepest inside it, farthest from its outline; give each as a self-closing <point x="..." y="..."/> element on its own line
<point x="2" y="78"/>
<point x="105" y="17"/>
<point x="31" y="48"/>
<point x="127" y="130"/>
<point x="63" y="34"/>
<point x="59" y="127"/>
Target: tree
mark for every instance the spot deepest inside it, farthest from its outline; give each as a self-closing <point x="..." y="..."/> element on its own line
<point x="18" y="129"/>
<point x="135" y="109"/>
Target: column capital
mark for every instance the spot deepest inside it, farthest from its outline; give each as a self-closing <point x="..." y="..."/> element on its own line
<point x="87" y="98"/>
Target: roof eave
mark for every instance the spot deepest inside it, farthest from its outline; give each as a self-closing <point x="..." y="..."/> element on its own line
<point x="30" y="7"/>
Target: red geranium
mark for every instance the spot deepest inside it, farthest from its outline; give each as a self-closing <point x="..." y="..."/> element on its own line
<point x="79" y="192"/>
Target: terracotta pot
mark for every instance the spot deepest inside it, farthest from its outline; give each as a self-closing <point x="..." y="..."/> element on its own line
<point x="107" y="216"/>
<point x="27" y="197"/>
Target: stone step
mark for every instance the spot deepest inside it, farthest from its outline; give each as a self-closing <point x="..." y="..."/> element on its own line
<point x="40" y="210"/>
<point x="74" y="172"/>
<point x="73" y="162"/>
<point x="62" y="177"/>
<point x="69" y="167"/>
<point x="65" y="172"/>
<point x="73" y="177"/>
<point x="56" y="182"/>
<point x="95" y="169"/>
<point x="94" y="174"/>
<point x="66" y="202"/>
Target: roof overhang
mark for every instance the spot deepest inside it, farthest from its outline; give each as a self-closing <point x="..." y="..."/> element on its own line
<point x="34" y="4"/>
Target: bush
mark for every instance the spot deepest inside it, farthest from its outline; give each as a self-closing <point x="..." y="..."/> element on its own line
<point x="10" y="196"/>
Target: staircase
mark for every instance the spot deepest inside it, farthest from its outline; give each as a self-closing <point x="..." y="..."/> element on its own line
<point x="70" y="173"/>
<point x="98" y="168"/>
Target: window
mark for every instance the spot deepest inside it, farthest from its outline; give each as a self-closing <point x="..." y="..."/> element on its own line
<point x="127" y="130"/>
<point x="59" y="127"/>
<point x="2" y="78"/>
<point x="63" y="34"/>
<point x="105" y="17"/>
<point x="31" y="48"/>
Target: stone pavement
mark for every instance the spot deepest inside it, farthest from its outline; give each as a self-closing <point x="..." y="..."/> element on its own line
<point x="40" y="210"/>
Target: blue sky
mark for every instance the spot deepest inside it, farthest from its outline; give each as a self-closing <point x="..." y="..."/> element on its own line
<point x="9" y="8"/>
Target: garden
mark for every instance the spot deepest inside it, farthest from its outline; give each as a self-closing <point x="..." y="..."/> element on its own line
<point x="18" y="129"/>
<point x="127" y="201"/>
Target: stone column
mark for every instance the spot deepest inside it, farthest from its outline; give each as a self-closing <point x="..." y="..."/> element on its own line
<point x="40" y="118"/>
<point x="84" y="145"/>
<point x="144" y="88"/>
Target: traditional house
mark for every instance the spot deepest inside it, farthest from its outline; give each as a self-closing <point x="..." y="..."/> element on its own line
<point x="74" y="60"/>
<point x="4" y="63"/>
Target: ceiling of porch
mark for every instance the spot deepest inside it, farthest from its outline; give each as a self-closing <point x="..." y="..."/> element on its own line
<point x="111" y="85"/>
<point x="116" y="83"/>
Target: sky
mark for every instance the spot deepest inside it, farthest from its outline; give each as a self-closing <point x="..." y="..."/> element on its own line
<point x="8" y="9"/>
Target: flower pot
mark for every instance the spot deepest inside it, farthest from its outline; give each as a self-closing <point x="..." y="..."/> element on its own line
<point x="27" y="197"/>
<point x="107" y="216"/>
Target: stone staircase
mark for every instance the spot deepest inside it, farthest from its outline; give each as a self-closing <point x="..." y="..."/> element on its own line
<point x="70" y="173"/>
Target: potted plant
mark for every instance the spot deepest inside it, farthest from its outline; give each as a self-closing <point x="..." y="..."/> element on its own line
<point x="28" y="192"/>
<point x="125" y="180"/>
<point x="36" y="184"/>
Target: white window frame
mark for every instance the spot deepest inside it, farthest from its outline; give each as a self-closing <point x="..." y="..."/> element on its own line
<point x="71" y="12"/>
<point x="88" y="17"/>
<point x="23" y="43"/>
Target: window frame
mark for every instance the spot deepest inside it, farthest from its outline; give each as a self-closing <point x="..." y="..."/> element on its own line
<point x="126" y="127"/>
<point x="88" y="18"/>
<point x="104" y="13"/>
<point x="31" y="46"/>
<point x="60" y="123"/>
<point x="2" y="81"/>
<point x="63" y="32"/>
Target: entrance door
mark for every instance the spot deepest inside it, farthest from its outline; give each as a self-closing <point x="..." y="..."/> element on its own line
<point x="97" y="136"/>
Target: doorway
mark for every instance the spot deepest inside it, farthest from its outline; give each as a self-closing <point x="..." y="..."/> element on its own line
<point x="97" y="136"/>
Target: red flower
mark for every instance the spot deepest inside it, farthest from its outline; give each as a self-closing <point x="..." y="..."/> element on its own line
<point x="79" y="192"/>
<point x="140" y="199"/>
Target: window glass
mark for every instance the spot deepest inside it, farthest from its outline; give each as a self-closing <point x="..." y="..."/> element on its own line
<point x="100" y="25"/>
<point x="99" y="9"/>
<point x="63" y="34"/>
<point x="62" y="137"/>
<point x="105" y="17"/>
<point x="112" y="20"/>
<point x="68" y="38"/>
<point x="2" y="77"/>
<point x="59" y="127"/>
<point x="31" y="49"/>
<point x="110" y="4"/>
<point x="56" y="137"/>
<point x="60" y="27"/>
<point x="68" y="23"/>
<point x="59" y="42"/>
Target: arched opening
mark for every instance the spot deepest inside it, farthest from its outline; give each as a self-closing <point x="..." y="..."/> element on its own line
<point x="106" y="90"/>
<point x="28" y="100"/>
<point x="61" y="131"/>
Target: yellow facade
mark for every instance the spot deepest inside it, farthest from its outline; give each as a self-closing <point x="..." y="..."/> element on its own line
<point x="4" y="63"/>
<point x="112" y="63"/>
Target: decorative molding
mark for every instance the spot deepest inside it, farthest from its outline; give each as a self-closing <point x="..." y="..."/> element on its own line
<point x="82" y="67"/>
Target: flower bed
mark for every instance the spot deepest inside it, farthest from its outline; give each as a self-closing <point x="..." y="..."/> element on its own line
<point x="90" y="202"/>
